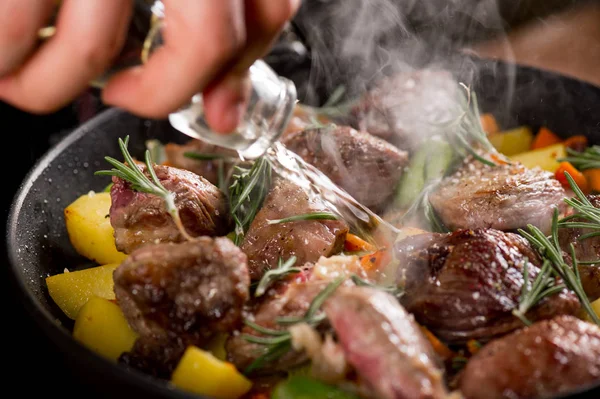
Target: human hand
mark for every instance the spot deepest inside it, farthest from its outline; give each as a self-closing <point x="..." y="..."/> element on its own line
<point x="208" y="47"/>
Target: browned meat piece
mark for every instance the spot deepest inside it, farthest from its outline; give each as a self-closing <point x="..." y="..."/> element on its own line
<point x="209" y="169"/>
<point x="465" y="285"/>
<point x="308" y="240"/>
<point x="549" y="358"/>
<point x="182" y="293"/>
<point x="587" y="250"/>
<point x="504" y="197"/>
<point x="139" y="218"/>
<point x="367" y="167"/>
<point x="292" y="298"/>
<point x="384" y="345"/>
<point x="154" y="357"/>
<point x="410" y="107"/>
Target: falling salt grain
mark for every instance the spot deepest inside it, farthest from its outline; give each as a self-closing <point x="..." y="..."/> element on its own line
<point x="91" y="193"/>
<point x="476" y="295"/>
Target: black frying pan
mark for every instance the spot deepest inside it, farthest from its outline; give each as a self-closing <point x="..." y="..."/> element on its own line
<point x="38" y="244"/>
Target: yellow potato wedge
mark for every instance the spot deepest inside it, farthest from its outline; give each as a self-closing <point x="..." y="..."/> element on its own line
<point x="71" y="290"/>
<point x="101" y="326"/>
<point x="89" y="228"/>
<point x="546" y="158"/>
<point x="512" y="142"/>
<point x="202" y="373"/>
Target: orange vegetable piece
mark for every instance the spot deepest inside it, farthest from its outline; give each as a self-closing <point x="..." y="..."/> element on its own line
<point x="489" y="123"/>
<point x="375" y="261"/>
<point x="578" y="143"/>
<point x="577" y="176"/>
<point x="545" y="138"/>
<point x="473" y="346"/>
<point x="440" y="348"/>
<point x="593" y="179"/>
<point x="354" y="243"/>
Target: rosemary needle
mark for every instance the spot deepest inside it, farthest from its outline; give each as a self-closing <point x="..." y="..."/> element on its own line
<point x="549" y="249"/>
<point x="282" y="270"/>
<point x="305" y="216"/>
<point x="131" y="172"/>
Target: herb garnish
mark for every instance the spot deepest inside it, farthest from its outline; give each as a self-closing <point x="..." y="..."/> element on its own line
<point x="279" y="342"/>
<point x="247" y="192"/>
<point x="583" y="210"/>
<point x="587" y="159"/>
<point x="549" y="248"/>
<point x="132" y="173"/>
<point x="543" y="286"/>
<point x="392" y="289"/>
<point x="282" y="270"/>
<point x="305" y="216"/>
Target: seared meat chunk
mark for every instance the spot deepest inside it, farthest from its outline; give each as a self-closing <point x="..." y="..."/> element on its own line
<point x="384" y="345"/>
<point x="410" y="107"/>
<point x="549" y="358"/>
<point x="209" y="169"/>
<point x="367" y="167"/>
<point x="504" y="197"/>
<point x="291" y="298"/>
<point x="154" y="356"/>
<point x="465" y="285"/>
<point x="183" y="293"/>
<point x="308" y="240"/>
<point x="586" y="250"/>
<point x="140" y="218"/>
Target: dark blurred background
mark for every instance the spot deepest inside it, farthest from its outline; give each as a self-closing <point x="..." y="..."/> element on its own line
<point x="560" y="35"/>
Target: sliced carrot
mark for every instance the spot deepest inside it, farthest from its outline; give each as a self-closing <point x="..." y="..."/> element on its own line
<point x="473" y="346"/>
<point x="489" y="123"/>
<point x="354" y="243"/>
<point x="577" y="176"/>
<point x="440" y="348"/>
<point x="593" y="179"/>
<point x="545" y="138"/>
<point x="577" y="143"/>
<point x="375" y="261"/>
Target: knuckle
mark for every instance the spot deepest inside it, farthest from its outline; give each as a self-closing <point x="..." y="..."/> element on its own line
<point x="225" y="45"/>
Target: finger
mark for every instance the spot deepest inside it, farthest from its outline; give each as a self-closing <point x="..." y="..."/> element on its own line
<point x="224" y="101"/>
<point x="20" y="21"/>
<point x="200" y="39"/>
<point x="88" y="35"/>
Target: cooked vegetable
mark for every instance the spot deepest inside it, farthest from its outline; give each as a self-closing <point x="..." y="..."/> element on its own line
<point x="545" y="138"/>
<point x="354" y="243"/>
<point x="101" y="326"/>
<point x="413" y="179"/>
<point x="596" y="307"/>
<point x="593" y="178"/>
<point x="71" y="290"/>
<point x="302" y="387"/>
<point x="131" y="173"/>
<point x="578" y="177"/>
<point x="201" y="373"/>
<point x="512" y="141"/>
<point x="576" y="143"/>
<point x="547" y="158"/>
<point x="89" y="228"/>
<point x="489" y="123"/>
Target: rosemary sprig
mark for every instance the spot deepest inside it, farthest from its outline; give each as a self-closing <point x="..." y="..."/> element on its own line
<point x="305" y="216"/>
<point x="549" y="249"/>
<point x="392" y="289"/>
<point x="247" y="192"/>
<point x="587" y="159"/>
<point x="543" y="286"/>
<point x="584" y="210"/>
<point x="283" y="269"/>
<point x="131" y="172"/>
<point x="279" y="342"/>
